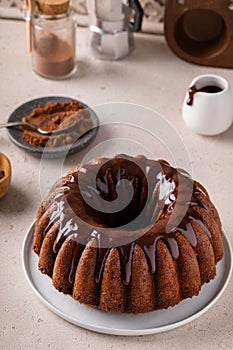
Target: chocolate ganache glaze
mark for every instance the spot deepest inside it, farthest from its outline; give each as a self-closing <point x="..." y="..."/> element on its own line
<point x="84" y="206"/>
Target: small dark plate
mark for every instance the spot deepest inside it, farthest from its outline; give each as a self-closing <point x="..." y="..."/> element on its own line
<point x="15" y="134"/>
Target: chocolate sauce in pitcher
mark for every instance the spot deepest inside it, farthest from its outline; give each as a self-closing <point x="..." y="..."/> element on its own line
<point x="210" y="89"/>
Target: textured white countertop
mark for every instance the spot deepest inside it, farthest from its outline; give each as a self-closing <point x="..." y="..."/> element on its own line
<point x="152" y="76"/>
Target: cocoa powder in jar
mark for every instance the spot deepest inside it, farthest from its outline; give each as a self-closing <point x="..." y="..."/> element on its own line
<point x="54" y="39"/>
<point x="53" y="56"/>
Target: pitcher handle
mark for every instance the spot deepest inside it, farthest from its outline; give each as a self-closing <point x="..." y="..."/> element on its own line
<point x="135" y="24"/>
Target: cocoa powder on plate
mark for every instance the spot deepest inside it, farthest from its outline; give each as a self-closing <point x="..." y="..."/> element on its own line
<point x="67" y="113"/>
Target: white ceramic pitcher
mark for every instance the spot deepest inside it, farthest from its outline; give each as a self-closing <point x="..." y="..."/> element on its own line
<point x="208" y="105"/>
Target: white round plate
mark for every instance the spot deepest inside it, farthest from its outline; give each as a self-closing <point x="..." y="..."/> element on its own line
<point x="124" y="324"/>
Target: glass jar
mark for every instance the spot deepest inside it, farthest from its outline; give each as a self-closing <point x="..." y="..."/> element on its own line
<point x="53" y="43"/>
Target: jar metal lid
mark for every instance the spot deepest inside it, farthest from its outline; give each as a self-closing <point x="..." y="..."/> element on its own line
<point x="53" y="7"/>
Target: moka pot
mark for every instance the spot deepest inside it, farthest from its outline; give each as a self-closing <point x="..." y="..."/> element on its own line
<point x="112" y="23"/>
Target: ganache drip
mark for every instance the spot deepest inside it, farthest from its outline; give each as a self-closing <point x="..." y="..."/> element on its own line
<point x="88" y="203"/>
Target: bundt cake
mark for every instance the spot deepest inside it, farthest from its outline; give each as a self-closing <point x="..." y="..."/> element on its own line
<point x="128" y="234"/>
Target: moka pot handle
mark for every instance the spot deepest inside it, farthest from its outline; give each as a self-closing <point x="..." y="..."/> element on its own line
<point x="135" y="23"/>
